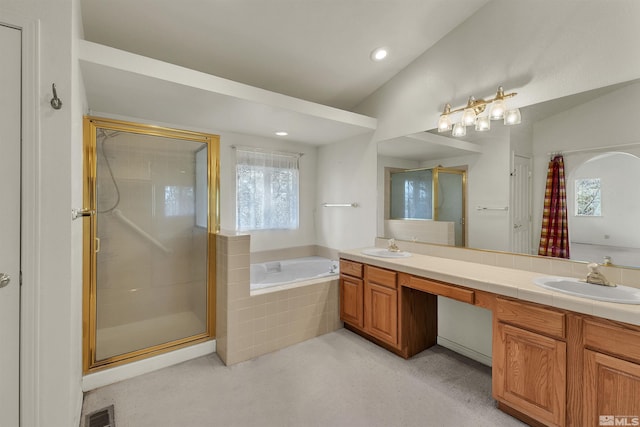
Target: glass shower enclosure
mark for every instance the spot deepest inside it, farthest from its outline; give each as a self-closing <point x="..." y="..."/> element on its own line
<point x="151" y="214"/>
<point x="436" y="194"/>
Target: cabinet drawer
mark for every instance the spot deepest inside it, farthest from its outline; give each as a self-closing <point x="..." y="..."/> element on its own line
<point x="381" y="276"/>
<point x="531" y="317"/>
<point x="612" y="339"/>
<point x="351" y="268"/>
<point x="443" y="289"/>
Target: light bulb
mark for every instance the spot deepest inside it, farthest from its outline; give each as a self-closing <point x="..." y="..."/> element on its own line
<point x="483" y="124"/>
<point x="444" y="123"/>
<point x="512" y="117"/>
<point x="497" y="109"/>
<point x="468" y="117"/>
<point x="459" y="130"/>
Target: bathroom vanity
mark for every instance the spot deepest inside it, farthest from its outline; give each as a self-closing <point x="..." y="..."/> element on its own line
<point x="558" y="360"/>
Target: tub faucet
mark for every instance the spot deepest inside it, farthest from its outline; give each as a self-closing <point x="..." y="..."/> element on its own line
<point x="595" y="277"/>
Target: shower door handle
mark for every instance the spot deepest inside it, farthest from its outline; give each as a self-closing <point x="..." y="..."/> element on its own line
<point x="78" y="213"/>
<point x="5" y="279"/>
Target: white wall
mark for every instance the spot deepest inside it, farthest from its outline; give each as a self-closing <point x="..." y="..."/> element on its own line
<point x="51" y="372"/>
<point x="465" y="329"/>
<point x="347" y="174"/>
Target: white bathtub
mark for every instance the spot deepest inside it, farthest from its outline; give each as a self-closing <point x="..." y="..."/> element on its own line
<point x="277" y="273"/>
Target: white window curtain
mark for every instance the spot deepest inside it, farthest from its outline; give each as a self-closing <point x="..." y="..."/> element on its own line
<point x="266" y="190"/>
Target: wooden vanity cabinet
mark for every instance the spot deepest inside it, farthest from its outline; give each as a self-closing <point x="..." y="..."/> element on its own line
<point x="530" y="361"/>
<point x="381" y="304"/>
<point x="551" y="367"/>
<point x="352" y="293"/>
<point x="369" y="301"/>
<point x="378" y="304"/>
<point x="611" y="373"/>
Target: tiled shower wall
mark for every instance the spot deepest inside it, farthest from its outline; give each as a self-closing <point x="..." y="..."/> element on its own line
<point x="249" y="326"/>
<point x="136" y="279"/>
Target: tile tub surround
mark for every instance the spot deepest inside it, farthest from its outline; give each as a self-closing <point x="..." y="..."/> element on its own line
<point x="482" y="274"/>
<point x="248" y="325"/>
<point x="295" y="252"/>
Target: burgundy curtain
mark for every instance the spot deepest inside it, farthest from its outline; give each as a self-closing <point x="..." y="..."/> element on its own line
<point x="554" y="238"/>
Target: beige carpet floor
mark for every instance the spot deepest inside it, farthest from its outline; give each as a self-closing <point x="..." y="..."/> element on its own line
<point x="338" y="379"/>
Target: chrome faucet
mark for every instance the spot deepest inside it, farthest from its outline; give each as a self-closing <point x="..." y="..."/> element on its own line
<point x="333" y="269"/>
<point x="393" y="247"/>
<point x="595" y="277"/>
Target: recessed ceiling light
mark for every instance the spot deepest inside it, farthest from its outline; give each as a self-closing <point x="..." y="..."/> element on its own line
<point x="282" y="133"/>
<point x="379" y="54"/>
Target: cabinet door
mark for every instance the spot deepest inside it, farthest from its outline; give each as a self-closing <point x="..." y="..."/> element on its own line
<point x="529" y="373"/>
<point x="381" y="312"/>
<point x="611" y="390"/>
<point x="351" y="301"/>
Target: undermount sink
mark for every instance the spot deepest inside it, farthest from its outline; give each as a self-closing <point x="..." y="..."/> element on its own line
<point x="620" y="294"/>
<point x="385" y="253"/>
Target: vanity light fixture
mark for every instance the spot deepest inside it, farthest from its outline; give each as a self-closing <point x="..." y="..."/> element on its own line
<point x="471" y="114"/>
<point x="282" y="133"/>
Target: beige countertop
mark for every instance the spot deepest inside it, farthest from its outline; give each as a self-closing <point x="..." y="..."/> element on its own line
<point x="498" y="280"/>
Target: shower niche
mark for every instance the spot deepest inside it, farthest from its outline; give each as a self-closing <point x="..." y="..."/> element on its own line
<point x="149" y="241"/>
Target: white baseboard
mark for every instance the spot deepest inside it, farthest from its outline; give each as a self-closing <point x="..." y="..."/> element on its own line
<point x="133" y="369"/>
<point x="465" y="351"/>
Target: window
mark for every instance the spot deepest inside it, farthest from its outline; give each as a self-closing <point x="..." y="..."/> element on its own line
<point x="266" y="190"/>
<point x="588" y="197"/>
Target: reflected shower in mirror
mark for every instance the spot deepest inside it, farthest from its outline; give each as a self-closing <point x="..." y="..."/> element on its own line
<point x="426" y="205"/>
<point x="506" y="173"/>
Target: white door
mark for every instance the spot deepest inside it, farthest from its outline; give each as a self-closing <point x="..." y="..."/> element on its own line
<point x="521" y="205"/>
<point x="10" y="116"/>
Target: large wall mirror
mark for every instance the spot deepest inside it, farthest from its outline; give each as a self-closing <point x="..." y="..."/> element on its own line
<point x="598" y="135"/>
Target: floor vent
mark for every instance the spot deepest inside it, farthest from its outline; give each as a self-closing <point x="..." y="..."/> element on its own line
<point x="101" y="418"/>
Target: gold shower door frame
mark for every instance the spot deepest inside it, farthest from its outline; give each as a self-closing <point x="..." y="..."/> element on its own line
<point x="91" y="244"/>
<point x="436" y="180"/>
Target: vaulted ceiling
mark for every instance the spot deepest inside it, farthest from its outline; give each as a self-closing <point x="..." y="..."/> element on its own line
<point x="316" y="50"/>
